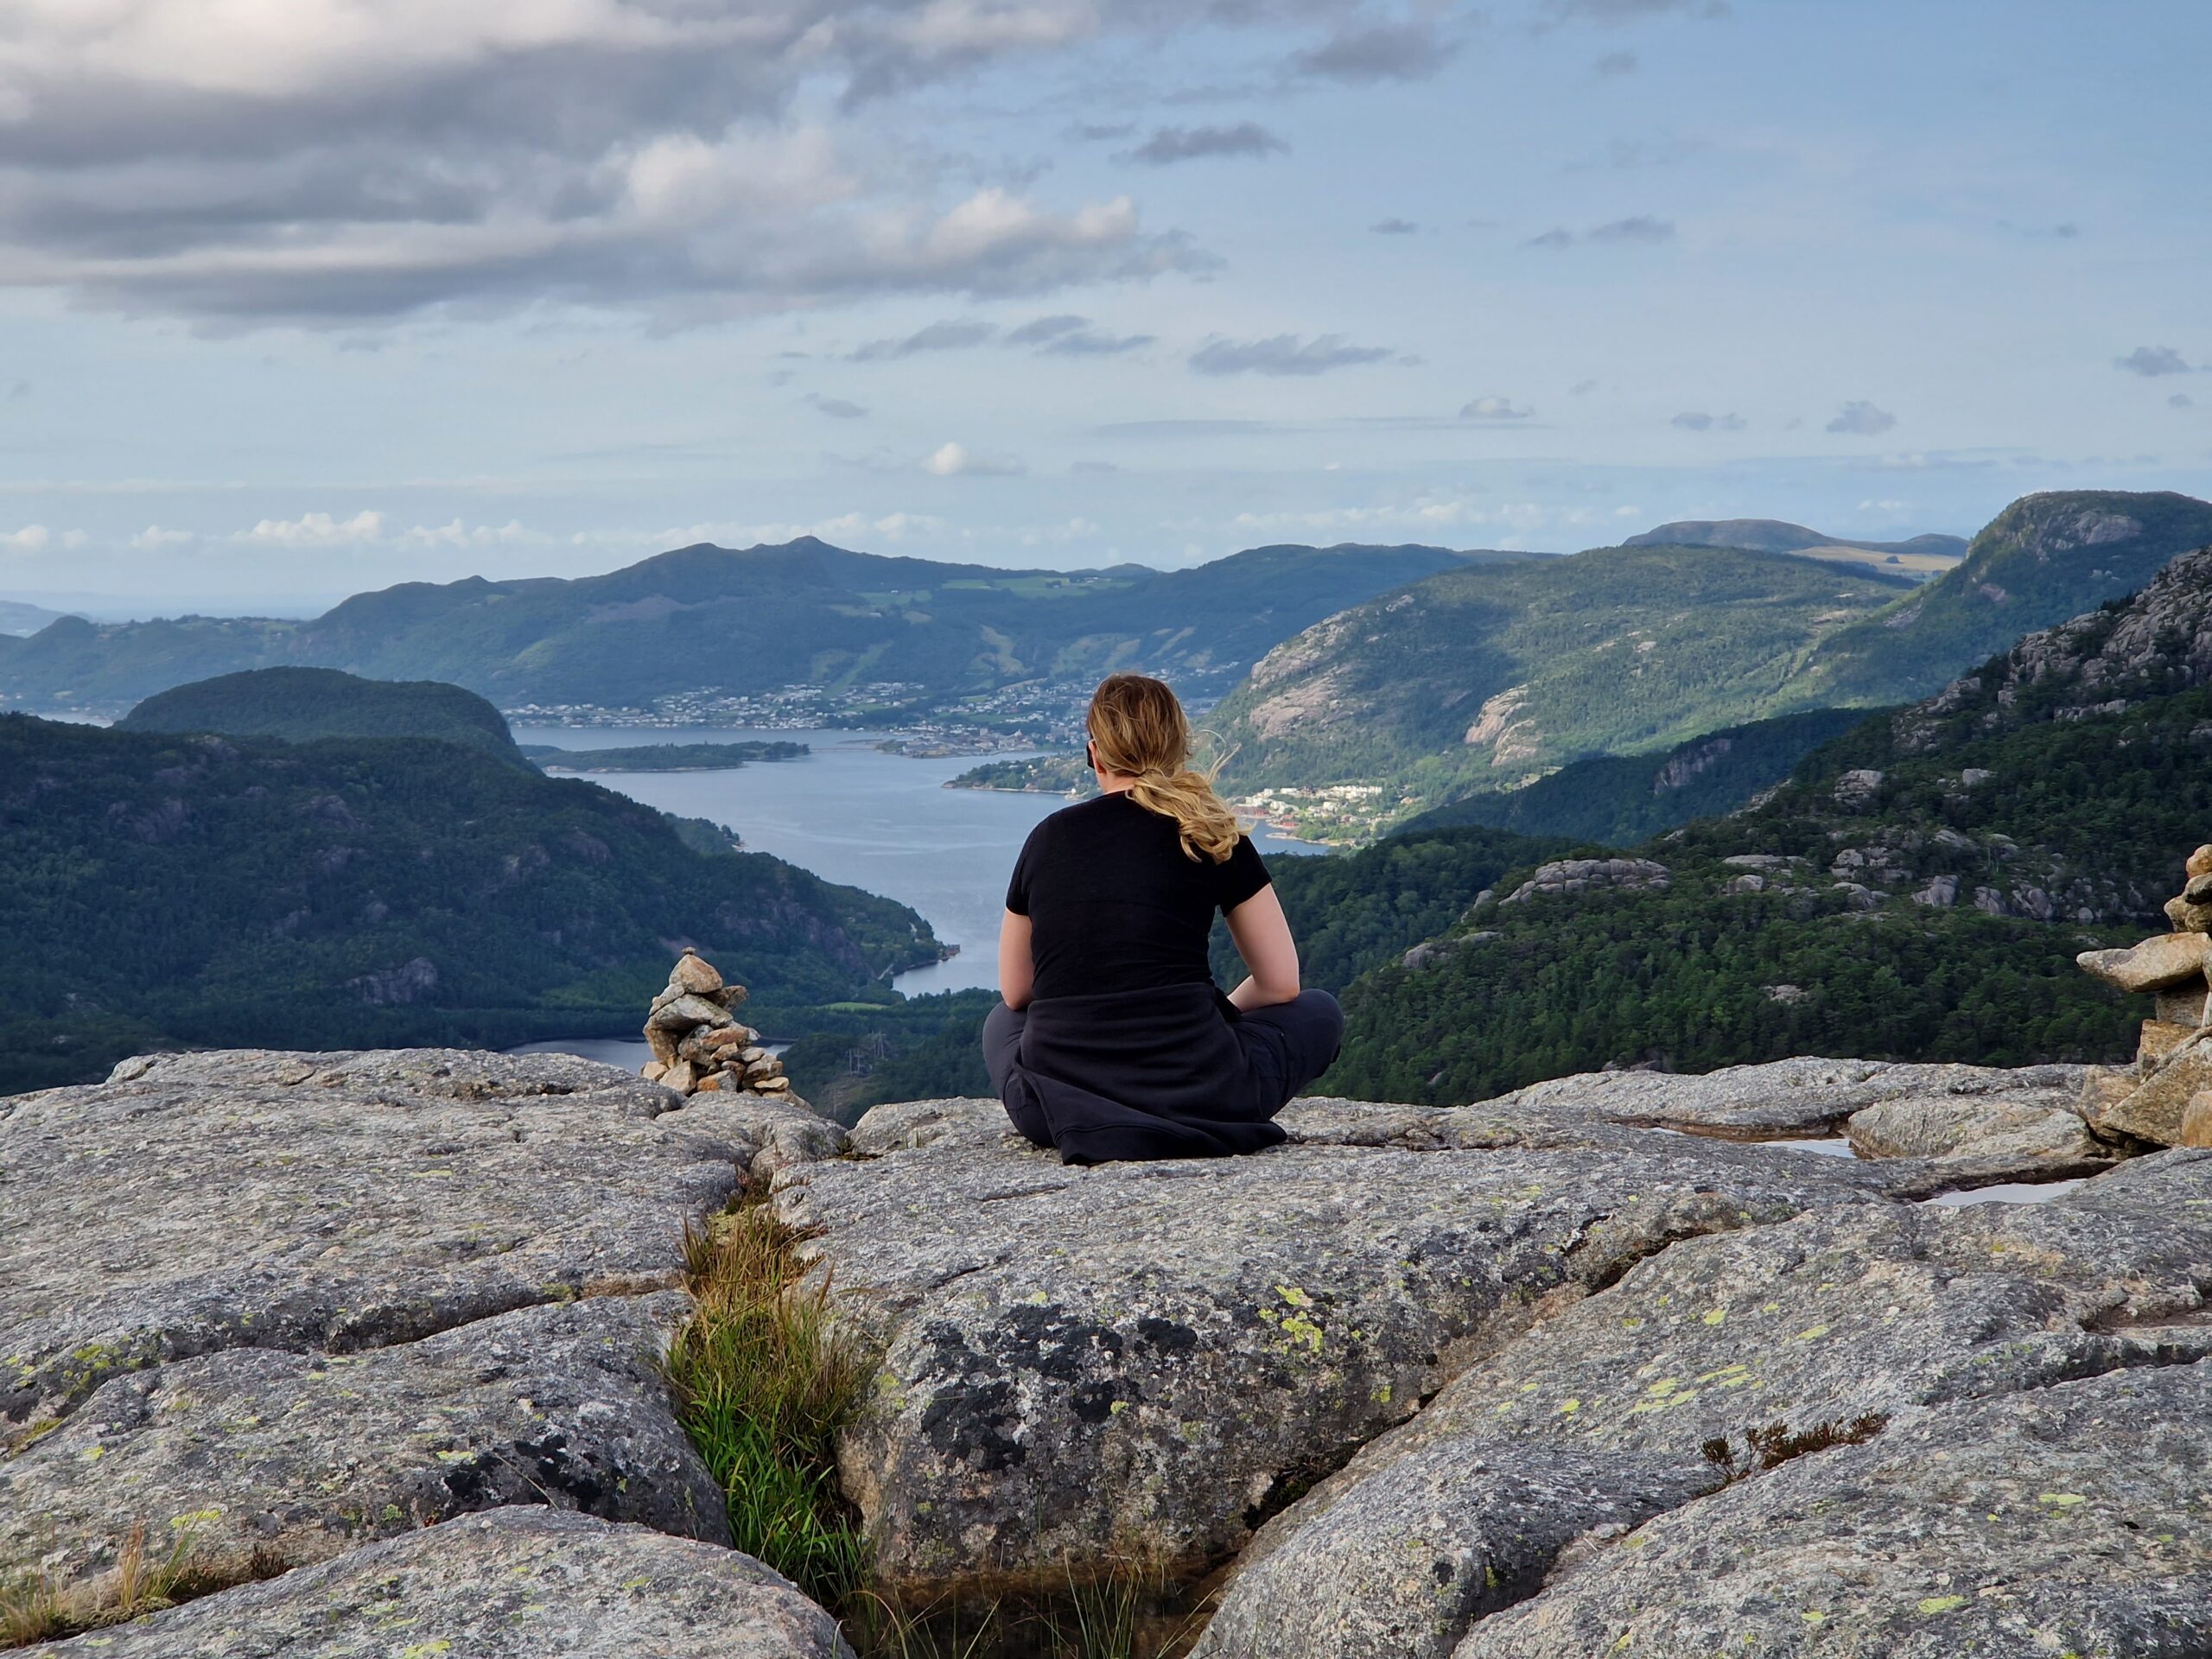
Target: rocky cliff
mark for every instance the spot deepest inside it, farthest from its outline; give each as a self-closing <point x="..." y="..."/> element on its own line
<point x="1620" y="1364"/>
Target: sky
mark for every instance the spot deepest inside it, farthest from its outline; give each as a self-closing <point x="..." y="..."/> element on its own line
<point x="302" y="297"/>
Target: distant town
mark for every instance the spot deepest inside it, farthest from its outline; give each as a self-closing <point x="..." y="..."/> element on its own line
<point x="1032" y="714"/>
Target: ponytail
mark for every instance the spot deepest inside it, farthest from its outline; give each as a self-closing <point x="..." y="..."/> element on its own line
<point x="1204" y="822"/>
<point x="1138" y="727"/>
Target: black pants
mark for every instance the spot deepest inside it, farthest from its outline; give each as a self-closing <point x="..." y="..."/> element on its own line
<point x="1287" y="1046"/>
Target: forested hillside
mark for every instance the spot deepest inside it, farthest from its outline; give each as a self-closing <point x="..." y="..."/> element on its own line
<point x="1479" y="680"/>
<point x="2044" y="558"/>
<point x="1485" y="678"/>
<point x="369" y="890"/>
<point x="1919" y="890"/>
<point x="801" y="613"/>
<point x="1619" y="799"/>
<point x="304" y="704"/>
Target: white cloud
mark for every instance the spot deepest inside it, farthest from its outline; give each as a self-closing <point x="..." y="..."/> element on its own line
<point x="31" y="538"/>
<point x="1495" y="409"/>
<point x="957" y="461"/>
<point x="368" y="528"/>
<point x="316" y="530"/>
<point x="154" y="536"/>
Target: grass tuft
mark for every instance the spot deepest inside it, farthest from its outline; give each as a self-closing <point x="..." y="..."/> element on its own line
<point x="37" y="1607"/>
<point x="764" y="1384"/>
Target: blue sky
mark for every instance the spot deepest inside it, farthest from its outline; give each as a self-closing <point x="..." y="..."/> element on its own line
<point x="313" y="298"/>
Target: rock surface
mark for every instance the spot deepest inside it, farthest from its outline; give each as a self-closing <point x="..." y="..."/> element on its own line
<point x="1585" y="874"/>
<point x="1449" y="1378"/>
<point x="308" y="1308"/>
<point x="339" y="1202"/>
<point x="1878" y="1318"/>
<point x="1792" y="1097"/>
<point x="515" y="1583"/>
<point x="307" y="1455"/>
<point x="1085" y="1364"/>
<point x="2071" y="1519"/>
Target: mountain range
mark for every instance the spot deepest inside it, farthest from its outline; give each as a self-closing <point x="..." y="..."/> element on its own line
<point x="713" y="621"/>
<point x="1481" y="679"/>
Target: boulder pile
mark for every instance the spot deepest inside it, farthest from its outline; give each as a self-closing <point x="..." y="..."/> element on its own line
<point x="2165" y="1098"/>
<point x="698" y="1044"/>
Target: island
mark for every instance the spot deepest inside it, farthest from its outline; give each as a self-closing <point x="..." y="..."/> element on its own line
<point x="662" y="756"/>
<point x="1043" y="774"/>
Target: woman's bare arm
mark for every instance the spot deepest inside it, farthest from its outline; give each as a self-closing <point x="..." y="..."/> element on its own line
<point x="1017" y="969"/>
<point x="1261" y="933"/>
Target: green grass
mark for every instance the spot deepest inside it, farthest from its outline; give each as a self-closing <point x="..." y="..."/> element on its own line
<point x="764" y="1384"/>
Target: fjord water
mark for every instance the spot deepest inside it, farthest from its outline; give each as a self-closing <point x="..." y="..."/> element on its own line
<point x="852" y="813"/>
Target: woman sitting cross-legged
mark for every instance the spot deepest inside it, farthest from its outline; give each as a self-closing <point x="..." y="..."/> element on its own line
<point x="1112" y="1041"/>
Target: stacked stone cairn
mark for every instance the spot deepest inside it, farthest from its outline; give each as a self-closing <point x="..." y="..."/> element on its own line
<point x="2165" y="1098"/>
<point x="698" y="1044"/>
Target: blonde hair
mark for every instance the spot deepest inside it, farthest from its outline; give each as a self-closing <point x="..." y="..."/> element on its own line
<point x="1138" y="729"/>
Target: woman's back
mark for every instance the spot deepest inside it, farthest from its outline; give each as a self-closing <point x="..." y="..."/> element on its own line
<point x="1111" y="1038"/>
<point x="1115" y="903"/>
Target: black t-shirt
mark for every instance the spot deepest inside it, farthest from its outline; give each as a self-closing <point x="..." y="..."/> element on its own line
<point x="1113" y="902"/>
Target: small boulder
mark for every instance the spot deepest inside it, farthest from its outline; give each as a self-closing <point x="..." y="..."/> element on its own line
<point x="1949" y="1128"/>
<point x="681" y="1077"/>
<point x="2166" y="960"/>
<point x="695" y="974"/>
<point x="1856" y="789"/>
<point x="2154" y="1109"/>
<point x="2199" y="890"/>
<point x="2186" y="917"/>
<point x="685" y="1013"/>
<point x="2200" y="861"/>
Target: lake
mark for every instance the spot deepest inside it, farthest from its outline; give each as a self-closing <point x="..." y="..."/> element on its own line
<point x="851" y="813"/>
